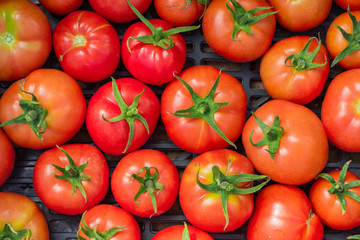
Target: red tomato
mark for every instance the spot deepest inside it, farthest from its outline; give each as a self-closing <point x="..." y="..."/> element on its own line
<point x="118" y="11"/>
<point x="238" y="42"/>
<point x="224" y="107"/>
<point x="176" y="233"/>
<point x="345" y="4"/>
<point x="142" y="177"/>
<point x="290" y="72"/>
<point x="295" y="149"/>
<point x="331" y="198"/>
<point x="60" y="109"/>
<point x="71" y="179"/>
<point x="284" y="212"/>
<point x="105" y="217"/>
<point x="24" y="215"/>
<point x="120" y="129"/>
<point x="340" y="111"/>
<point x="7" y="159"/>
<point x="224" y="208"/>
<point x="87" y="46"/>
<point x="25" y="42"/>
<point x="61" y="7"/>
<point x="298" y="16"/>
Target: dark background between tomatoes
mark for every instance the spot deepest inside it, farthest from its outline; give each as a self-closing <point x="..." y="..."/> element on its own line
<point x="64" y="227"/>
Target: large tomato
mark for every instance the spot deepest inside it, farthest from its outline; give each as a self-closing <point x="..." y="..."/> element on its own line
<point x="205" y="110"/>
<point x="235" y="32"/>
<point x="295" y="69"/>
<point x="61" y="7"/>
<point x="345" y="4"/>
<point x="340" y="111"/>
<point x="109" y="222"/>
<point x="71" y="178"/>
<point x="7" y="154"/>
<point x="214" y="190"/>
<point x="181" y="232"/>
<point x="286" y="141"/>
<point x="19" y="215"/>
<point x="145" y="183"/>
<point x="122" y="115"/>
<point x="25" y="38"/>
<point x="87" y="46"/>
<point x="284" y="212"/>
<point x="49" y="107"/>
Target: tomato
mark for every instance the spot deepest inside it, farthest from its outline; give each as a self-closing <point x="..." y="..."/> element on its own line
<point x="208" y="112"/>
<point x="118" y="11"/>
<point x="177" y="232"/>
<point x="145" y="183"/>
<point x="7" y="159"/>
<point x="335" y="197"/>
<point x="87" y="46"/>
<point x="295" y="69"/>
<point x="214" y="190"/>
<point x="340" y="111"/>
<point x="284" y="212"/>
<point x="25" y="38"/>
<point x="122" y="115"/>
<point x="19" y="214"/>
<point x="298" y="16"/>
<point x="49" y="107"/>
<point x="225" y="32"/>
<point x="294" y="149"/>
<point x="345" y="4"/>
<point x="343" y="47"/>
<point x="71" y="178"/>
<point x="110" y="222"/>
<point x="61" y="7"/>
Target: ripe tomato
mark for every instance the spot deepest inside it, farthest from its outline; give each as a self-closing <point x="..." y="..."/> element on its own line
<point x="298" y="16"/>
<point x="71" y="178"/>
<point x="218" y="105"/>
<point x="61" y="7"/>
<point x="87" y="46"/>
<point x="7" y="159"/>
<point x="294" y="149"/>
<point x="49" y="106"/>
<point x="345" y="4"/>
<point x="110" y="222"/>
<point x="23" y="216"/>
<point x="335" y="197"/>
<point x="214" y="190"/>
<point x="340" y="111"/>
<point x="25" y="38"/>
<point x="150" y="180"/>
<point x="295" y="69"/>
<point x="225" y="32"/>
<point x="122" y="115"/>
<point x="177" y="232"/>
<point x="284" y="212"/>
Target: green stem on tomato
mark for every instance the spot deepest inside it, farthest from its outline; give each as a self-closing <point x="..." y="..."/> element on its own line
<point x="9" y="233"/>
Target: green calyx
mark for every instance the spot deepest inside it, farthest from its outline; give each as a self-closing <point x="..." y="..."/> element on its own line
<point x="304" y="59"/>
<point x="9" y="233"/>
<point x="128" y="113"/>
<point x="149" y="183"/>
<point x="340" y="188"/>
<point x="72" y="173"/>
<point x="204" y="108"/>
<point x="94" y="234"/>
<point x="352" y="39"/>
<point x="244" y="19"/>
<point x="224" y="185"/>
<point x="159" y="37"/>
<point x="354" y="237"/>
<point x="33" y="114"/>
<point x="185" y="234"/>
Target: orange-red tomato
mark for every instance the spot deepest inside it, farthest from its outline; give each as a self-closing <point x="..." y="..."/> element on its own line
<point x="7" y="154"/>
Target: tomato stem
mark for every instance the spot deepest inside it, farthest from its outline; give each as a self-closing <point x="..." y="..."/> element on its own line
<point x="79" y="40"/>
<point x="354" y="237"/>
<point x="9" y="233"/>
<point x="185" y="234"/>
<point x="8" y="39"/>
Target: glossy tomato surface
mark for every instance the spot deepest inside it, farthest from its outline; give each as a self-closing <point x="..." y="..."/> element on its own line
<point x="7" y="159"/>
<point x="176" y="233"/>
<point x="61" y="7"/>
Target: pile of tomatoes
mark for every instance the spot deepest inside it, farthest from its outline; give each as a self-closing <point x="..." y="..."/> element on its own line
<point x="250" y="167"/>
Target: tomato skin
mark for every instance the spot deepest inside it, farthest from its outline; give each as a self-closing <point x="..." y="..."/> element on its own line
<point x="7" y="159"/>
<point x="352" y="4"/>
<point x="96" y="55"/>
<point x="283" y="212"/>
<point x="298" y="16"/>
<point x="196" y="135"/>
<point x="57" y="92"/>
<point x="106" y="216"/>
<point x="56" y="194"/>
<point x="30" y="29"/>
<point x="124" y="188"/>
<point x="175" y="233"/>
<point x="204" y="209"/>
<point x="23" y="213"/>
<point x="61" y="7"/>
<point x="304" y="135"/>
<point x="217" y="25"/>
